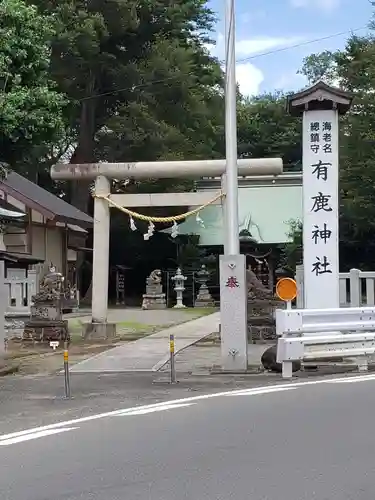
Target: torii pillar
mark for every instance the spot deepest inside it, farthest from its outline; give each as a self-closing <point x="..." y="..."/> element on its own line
<point x="103" y="173"/>
<point x="320" y="107"/>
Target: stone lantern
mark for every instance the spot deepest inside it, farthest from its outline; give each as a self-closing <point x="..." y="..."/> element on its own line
<point x="204" y="298"/>
<point x="179" y="286"/>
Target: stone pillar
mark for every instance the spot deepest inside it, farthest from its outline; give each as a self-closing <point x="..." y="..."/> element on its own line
<point x="233" y="312"/>
<point x="224" y="212"/>
<point x="100" y="260"/>
<point x="320" y="106"/>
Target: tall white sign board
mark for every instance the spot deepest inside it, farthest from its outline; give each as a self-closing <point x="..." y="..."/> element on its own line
<point x="321" y="209"/>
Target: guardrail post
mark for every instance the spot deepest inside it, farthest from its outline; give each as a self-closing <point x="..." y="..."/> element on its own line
<point x="355" y="301"/>
<point x="355" y="288"/>
<point x="287" y="369"/>
<point x="300" y="288"/>
<point x="362" y="364"/>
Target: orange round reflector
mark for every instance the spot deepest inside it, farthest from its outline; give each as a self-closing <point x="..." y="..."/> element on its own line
<point x="286" y="289"/>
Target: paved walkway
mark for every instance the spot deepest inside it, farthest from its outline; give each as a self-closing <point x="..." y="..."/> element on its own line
<point x="152" y="352"/>
<point x="198" y="359"/>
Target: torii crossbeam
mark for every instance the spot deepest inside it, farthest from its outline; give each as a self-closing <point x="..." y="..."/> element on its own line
<point x="233" y="335"/>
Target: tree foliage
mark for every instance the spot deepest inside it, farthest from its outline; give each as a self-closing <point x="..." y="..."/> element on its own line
<point x="320" y="67"/>
<point x="140" y="82"/>
<point x="265" y="129"/>
<point x="291" y="253"/>
<point x="31" y="119"/>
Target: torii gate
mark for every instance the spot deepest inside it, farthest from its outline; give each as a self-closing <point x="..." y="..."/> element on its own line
<point x="233" y="295"/>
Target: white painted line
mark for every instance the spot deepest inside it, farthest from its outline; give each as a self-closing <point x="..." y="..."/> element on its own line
<point x="202" y="397"/>
<point x="145" y="411"/>
<point x="352" y="380"/>
<point x="262" y="390"/>
<point x="34" y="435"/>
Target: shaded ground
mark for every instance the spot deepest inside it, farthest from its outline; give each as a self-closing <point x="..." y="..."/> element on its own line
<point x="205" y="356"/>
<point x="153" y="351"/>
<point x="131" y="324"/>
<point x="35" y="400"/>
<point x="309" y="443"/>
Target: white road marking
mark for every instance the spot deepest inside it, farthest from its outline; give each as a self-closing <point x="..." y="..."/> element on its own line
<point x="34" y="435"/>
<point x="202" y="397"/>
<point x="262" y="390"/>
<point x="154" y="409"/>
<point x="352" y="380"/>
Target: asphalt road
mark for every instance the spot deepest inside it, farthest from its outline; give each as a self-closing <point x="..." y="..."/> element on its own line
<point x="307" y="441"/>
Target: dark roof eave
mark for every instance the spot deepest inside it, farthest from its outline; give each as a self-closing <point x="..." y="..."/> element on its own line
<point x="32" y="196"/>
<point x="17" y="257"/>
<point x="75" y="222"/>
<point x="342" y="108"/>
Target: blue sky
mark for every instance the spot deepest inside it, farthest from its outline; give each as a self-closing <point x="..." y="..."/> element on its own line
<point x="266" y="25"/>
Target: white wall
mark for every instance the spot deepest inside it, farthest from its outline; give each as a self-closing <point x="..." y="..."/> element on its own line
<point x="38" y="242"/>
<point x="42" y="242"/>
<point x="47" y="244"/>
<point x="54" y="247"/>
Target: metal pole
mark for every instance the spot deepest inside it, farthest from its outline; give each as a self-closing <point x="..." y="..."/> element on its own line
<point x="231" y="201"/>
<point x="172" y="360"/>
<point x="66" y="371"/>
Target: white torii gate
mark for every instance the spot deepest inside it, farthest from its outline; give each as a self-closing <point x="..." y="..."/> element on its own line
<point x="233" y="296"/>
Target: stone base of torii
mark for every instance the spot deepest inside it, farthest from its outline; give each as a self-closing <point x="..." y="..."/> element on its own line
<point x="233" y="290"/>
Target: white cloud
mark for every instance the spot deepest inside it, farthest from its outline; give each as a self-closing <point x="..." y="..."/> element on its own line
<point x="252" y="46"/>
<point x="291" y="81"/>
<point x="327" y="5"/>
<point x="249" y="78"/>
<point x="251" y="17"/>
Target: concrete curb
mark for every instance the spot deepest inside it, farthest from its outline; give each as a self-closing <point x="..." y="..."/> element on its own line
<point x="9" y="369"/>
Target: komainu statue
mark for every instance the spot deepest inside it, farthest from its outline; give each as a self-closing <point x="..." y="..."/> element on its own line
<point x="261" y="304"/>
<point x="154" y="298"/>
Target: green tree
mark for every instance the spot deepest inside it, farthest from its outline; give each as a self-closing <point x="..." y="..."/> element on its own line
<point x="291" y="253"/>
<point x="31" y="120"/>
<point x="317" y="67"/>
<point x="265" y="129"/>
<point x="138" y="77"/>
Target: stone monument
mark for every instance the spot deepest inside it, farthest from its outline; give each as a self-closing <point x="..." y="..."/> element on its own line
<point x="154" y="298"/>
<point x="46" y="321"/>
<point x="204" y="298"/>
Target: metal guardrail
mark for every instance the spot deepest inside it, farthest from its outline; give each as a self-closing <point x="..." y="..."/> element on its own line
<point x="307" y="334"/>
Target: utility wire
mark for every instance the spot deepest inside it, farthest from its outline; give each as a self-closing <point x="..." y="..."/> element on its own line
<point x="245" y="59"/>
<point x="300" y="44"/>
